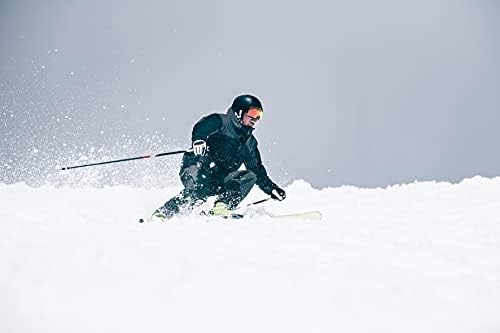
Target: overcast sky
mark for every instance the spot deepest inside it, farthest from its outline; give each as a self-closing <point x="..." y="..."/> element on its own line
<point x="369" y="93"/>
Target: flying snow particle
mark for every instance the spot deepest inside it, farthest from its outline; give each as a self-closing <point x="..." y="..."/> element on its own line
<point x="123" y="106"/>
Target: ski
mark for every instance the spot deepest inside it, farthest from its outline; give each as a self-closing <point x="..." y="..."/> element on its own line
<point x="151" y="219"/>
<point x="234" y="216"/>
<point x="312" y="216"/>
<point x="304" y="216"/>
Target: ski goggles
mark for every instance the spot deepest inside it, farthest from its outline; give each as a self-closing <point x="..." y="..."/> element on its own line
<point x="255" y="113"/>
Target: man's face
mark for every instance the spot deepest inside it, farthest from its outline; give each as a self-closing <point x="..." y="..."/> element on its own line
<point x="251" y="117"/>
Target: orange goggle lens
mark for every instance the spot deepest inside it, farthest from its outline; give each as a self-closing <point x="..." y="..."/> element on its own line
<point x="255" y="113"/>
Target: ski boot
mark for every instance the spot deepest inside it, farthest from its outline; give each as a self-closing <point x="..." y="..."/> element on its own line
<point x="221" y="209"/>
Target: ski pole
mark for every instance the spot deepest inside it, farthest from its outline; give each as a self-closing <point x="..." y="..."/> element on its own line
<point x="129" y="159"/>
<point x="258" y="202"/>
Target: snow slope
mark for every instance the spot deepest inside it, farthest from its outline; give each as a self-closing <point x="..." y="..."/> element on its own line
<point x="422" y="257"/>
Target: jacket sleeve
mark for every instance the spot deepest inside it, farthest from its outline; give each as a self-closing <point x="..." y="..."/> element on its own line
<point x="254" y="164"/>
<point x="206" y="126"/>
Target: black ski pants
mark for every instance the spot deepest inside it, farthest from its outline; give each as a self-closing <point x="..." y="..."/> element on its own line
<point x="202" y="182"/>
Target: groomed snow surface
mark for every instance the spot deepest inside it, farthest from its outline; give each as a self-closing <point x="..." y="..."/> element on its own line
<point x="422" y="257"/>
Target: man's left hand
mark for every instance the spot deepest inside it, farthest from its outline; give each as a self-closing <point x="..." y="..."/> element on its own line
<point x="278" y="193"/>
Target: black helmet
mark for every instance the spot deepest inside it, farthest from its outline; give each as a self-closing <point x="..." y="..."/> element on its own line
<point x="243" y="103"/>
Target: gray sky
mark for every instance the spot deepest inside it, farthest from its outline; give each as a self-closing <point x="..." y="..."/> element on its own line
<point x="368" y="93"/>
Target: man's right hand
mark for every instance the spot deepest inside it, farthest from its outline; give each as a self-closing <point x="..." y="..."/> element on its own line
<point x="199" y="147"/>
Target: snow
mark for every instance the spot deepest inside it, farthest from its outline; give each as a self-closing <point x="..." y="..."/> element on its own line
<point x="421" y="257"/>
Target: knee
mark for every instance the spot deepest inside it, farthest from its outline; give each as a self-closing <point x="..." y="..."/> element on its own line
<point x="241" y="177"/>
<point x="189" y="176"/>
<point x="249" y="177"/>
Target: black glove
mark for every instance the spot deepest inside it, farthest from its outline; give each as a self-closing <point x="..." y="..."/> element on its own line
<point x="278" y="193"/>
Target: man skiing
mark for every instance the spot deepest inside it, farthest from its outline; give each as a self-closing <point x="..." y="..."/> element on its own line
<point x="221" y="144"/>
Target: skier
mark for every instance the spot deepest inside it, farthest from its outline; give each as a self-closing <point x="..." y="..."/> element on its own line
<point x="221" y="144"/>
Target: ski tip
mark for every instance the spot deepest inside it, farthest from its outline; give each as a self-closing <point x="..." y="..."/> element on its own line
<point x="312" y="216"/>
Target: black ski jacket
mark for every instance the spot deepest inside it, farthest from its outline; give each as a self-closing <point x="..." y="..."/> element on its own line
<point x="230" y="144"/>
